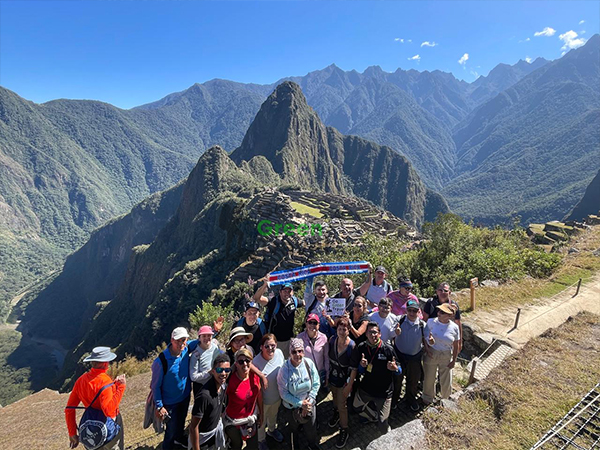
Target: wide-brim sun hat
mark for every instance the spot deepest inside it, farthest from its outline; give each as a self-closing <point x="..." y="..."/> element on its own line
<point x="445" y="307"/>
<point x="100" y="354"/>
<point x="237" y="332"/>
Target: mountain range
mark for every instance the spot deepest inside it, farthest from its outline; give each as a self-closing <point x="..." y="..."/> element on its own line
<point x="521" y="141"/>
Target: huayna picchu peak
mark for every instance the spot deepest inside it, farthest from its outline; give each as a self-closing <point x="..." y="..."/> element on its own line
<point x="306" y="153"/>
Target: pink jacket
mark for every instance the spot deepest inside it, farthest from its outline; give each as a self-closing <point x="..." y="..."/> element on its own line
<point x="317" y="353"/>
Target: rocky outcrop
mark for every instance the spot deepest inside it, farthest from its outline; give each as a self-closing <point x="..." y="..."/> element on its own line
<point x="410" y="436"/>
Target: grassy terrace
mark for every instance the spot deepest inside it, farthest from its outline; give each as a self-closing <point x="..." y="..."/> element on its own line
<point x="305" y="209"/>
<point x="525" y="396"/>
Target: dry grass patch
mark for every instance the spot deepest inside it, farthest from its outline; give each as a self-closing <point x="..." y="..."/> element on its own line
<point x="524" y="397"/>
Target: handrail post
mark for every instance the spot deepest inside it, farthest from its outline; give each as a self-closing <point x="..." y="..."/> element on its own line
<point x="473" y="282"/>
<point x="578" y="287"/>
<point x="517" y="318"/>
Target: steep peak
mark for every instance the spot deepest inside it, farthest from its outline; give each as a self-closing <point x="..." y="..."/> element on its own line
<point x="214" y="174"/>
<point x="291" y="136"/>
<point x="374" y="72"/>
<point x="279" y="119"/>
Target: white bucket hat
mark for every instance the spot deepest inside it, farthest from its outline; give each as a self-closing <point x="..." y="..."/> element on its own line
<point x="101" y="354"/>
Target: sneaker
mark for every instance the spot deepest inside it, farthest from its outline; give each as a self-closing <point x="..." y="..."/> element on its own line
<point x="342" y="438"/>
<point x="335" y="419"/>
<point x="262" y="445"/>
<point x="276" y="435"/>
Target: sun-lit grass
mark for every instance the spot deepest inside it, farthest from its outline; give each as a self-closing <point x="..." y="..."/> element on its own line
<point x="574" y="266"/>
<point x="304" y="209"/>
<point x="526" y="395"/>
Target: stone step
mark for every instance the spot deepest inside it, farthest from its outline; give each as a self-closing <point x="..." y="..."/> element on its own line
<point x="484" y="368"/>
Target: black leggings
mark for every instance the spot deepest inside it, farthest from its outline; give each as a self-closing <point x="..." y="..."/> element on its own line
<point x="235" y="436"/>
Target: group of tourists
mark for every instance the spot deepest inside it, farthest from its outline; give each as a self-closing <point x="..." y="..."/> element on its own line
<point x="267" y="380"/>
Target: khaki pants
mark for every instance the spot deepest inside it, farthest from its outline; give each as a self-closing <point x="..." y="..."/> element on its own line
<point x="270" y="420"/>
<point x="340" y="403"/>
<point x="437" y="362"/>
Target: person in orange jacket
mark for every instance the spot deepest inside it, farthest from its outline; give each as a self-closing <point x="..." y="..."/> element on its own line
<point x="85" y="390"/>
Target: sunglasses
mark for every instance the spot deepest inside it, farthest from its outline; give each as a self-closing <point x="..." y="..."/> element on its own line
<point x="297" y="352"/>
<point x="312" y="322"/>
<point x="444" y="290"/>
<point x="242" y="362"/>
<point x="270" y="347"/>
<point x="223" y="369"/>
<point x="373" y="332"/>
<point x="408" y="288"/>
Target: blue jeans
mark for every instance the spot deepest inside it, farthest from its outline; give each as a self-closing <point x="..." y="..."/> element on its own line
<point x="176" y="425"/>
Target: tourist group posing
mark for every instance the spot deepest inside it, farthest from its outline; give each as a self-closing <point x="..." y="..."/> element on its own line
<point x="268" y="380"/>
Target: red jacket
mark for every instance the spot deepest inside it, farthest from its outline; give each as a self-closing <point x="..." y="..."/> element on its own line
<point x="85" y="389"/>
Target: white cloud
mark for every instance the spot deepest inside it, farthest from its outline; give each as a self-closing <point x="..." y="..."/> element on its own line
<point x="414" y="58"/>
<point x="528" y="59"/>
<point x="581" y="22"/>
<point x="582" y="32"/>
<point x="571" y="41"/>
<point x="545" y="32"/>
<point x="463" y="59"/>
<point x="399" y="40"/>
<point x="409" y="40"/>
<point x="475" y="74"/>
<point x="429" y="44"/>
<point x="525" y="40"/>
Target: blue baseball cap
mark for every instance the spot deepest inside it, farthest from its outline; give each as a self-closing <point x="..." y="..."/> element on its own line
<point x="287" y="285"/>
<point x="252" y="305"/>
<point x="412" y="304"/>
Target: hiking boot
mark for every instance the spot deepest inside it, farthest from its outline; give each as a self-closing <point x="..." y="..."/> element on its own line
<point x="342" y="438"/>
<point x="335" y="419"/>
<point x="262" y="445"/>
<point x="275" y="435"/>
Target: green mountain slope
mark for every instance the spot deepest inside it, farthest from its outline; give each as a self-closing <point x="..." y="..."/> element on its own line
<point x="589" y="204"/>
<point x="533" y="149"/>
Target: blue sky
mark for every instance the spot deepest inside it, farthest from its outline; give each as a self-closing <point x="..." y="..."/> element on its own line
<point x="132" y="52"/>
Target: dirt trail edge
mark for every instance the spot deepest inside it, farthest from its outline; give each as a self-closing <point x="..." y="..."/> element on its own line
<point x="538" y="316"/>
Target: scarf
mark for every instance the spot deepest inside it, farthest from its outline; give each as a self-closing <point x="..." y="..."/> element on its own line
<point x="301" y="273"/>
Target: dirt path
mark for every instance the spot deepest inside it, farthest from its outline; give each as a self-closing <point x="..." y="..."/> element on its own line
<point x="540" y="315"/>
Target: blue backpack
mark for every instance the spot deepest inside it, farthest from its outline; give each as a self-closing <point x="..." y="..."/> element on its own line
<point x="95" y="429"/>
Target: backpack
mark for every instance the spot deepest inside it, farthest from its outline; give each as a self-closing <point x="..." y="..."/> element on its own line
<point x="272" y="311"/>
<point x="259" y="321"/>
<point x="95" y="429"/>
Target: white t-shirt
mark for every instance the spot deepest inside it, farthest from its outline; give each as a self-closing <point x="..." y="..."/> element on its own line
<point x="270" y="369"/>
<point x="386" y="325"/>
<point x="201" y="362"/>
<point x="444" y="334"/>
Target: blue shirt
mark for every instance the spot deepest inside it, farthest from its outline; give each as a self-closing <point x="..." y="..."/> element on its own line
<point x="174" y="386"/>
